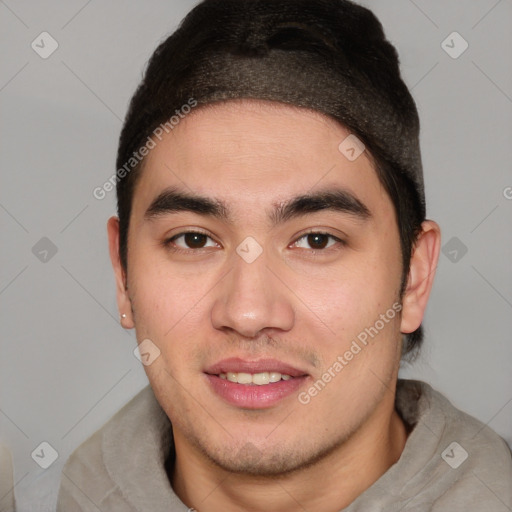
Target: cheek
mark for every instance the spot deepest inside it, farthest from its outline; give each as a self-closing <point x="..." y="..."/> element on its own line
<point x="165" y="314"/>
<point x="349" y="297"/>
<point x="161" y="298"/>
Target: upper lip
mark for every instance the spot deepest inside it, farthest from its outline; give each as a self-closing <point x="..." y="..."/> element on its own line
<point x="237" y="365"/>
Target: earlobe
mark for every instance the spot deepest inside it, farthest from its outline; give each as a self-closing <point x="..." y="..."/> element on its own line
<point x="123" y="299"/>
<point x="425" y="256"/>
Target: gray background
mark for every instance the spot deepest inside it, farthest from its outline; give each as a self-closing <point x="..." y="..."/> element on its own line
<point x="65" y="363"/>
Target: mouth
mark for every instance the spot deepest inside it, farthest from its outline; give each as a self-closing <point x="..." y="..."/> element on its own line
<point x="257" y="379"/>
<point x="254" y="384"/>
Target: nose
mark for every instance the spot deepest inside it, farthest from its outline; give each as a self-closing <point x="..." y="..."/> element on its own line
<point x="252" y="298"/>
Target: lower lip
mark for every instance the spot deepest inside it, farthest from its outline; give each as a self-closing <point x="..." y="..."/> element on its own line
<point x="252" y="396"/>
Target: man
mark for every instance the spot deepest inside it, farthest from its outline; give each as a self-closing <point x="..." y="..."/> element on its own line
<point x="272" y="252"/>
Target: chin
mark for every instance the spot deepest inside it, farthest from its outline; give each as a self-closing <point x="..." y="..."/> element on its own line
<point x="269" y="462"/>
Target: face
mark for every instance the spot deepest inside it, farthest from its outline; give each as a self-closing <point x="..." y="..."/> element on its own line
<point x="265" y="267"/>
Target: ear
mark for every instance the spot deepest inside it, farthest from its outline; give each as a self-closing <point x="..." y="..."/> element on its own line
<point x="123" y="299"/>
<point x="423" y="266"/>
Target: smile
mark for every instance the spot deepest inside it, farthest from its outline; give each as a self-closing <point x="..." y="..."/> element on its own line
<point x="253" y="385"/>
<point x="258" y="379"/>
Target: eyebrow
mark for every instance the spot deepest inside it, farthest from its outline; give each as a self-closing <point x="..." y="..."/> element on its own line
<point x="173" y="200"/>
<point x="339" y="200"/>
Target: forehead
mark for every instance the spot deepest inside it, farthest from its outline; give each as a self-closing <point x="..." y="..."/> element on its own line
<point x="257" y="152"/>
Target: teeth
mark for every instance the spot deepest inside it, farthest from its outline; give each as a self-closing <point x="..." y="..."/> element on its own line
<point x="259" y="379"/>
<point x="244" y="378"/>
<point x="274" y="376"/>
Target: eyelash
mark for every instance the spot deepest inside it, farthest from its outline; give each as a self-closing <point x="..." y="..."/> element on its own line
<point x="167" y="243"/>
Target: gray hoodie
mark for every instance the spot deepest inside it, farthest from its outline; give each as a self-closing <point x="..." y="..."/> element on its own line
<point x="451" y="462"/>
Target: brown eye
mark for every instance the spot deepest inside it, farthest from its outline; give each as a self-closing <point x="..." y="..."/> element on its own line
<point x="318" y="240"/>
<point x="191" y="240"/>
<point x="195" y="240"/>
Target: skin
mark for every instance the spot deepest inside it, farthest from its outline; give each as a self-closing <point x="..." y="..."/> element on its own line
<point x="297" y="302"/>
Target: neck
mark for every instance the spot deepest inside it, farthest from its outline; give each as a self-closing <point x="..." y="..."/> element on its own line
<point x="352" y="468"/>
